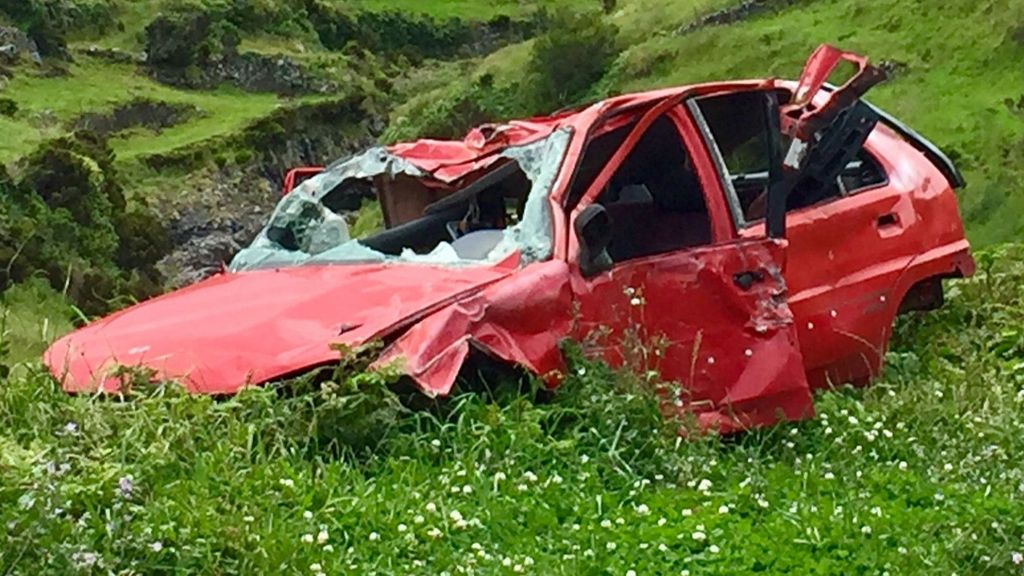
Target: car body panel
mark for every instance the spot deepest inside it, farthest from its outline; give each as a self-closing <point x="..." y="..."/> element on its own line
<point x="238" y="329"/>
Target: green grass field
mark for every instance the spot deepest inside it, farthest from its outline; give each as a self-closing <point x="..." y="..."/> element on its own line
<point x="918" y="474"/>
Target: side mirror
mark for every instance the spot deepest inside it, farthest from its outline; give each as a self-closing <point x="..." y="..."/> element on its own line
<point x="594" y="230"/>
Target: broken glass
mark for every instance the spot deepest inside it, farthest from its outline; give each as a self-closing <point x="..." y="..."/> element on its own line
<point x="303" y="231"/>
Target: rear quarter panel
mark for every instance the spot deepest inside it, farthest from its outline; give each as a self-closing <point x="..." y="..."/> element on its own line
<point x="847" y="274"/>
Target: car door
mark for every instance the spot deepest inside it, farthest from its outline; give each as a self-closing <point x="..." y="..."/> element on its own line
<point x="846" y="249"/>
<point x="706" y="311"/>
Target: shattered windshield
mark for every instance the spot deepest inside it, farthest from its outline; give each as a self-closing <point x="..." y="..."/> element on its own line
<point x="482" y="218"/>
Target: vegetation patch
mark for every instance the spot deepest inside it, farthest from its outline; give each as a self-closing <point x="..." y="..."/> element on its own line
<point x="305" y="134"/>
<point x="66" y="220"/>
<point x="918" y="474"/>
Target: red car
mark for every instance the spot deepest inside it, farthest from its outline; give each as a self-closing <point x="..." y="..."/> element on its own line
<point x="765" y="233"/>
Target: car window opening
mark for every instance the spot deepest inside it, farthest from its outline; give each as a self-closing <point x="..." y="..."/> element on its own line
<point x="654" y="199"/>
<point x="737" y="125"/>
<point x="482" y="218"/>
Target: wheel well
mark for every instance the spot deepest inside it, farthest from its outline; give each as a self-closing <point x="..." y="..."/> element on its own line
<point x="927" y="294"/>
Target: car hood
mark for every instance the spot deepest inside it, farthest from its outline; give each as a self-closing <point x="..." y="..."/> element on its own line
<point x="233" y="330"/>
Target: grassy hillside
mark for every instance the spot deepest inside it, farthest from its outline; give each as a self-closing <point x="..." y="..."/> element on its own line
<point x="919" y="474"/>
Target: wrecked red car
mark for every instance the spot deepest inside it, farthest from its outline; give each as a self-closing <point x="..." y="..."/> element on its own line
<point x="767" y="232"/>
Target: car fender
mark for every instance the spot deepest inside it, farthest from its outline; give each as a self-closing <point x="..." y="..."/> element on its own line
<point x="520" y="320"/>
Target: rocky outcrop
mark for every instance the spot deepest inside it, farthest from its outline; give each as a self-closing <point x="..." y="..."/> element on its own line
<point x="217" y="212"/>
<point x="249" y="71"/>
<point x="210" y="219"/>
<point x="150" y="114"/>
<point x="15" y="45"/>
<point x="737" y="13"/>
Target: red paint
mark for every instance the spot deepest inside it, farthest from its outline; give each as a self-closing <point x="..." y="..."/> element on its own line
<point x="820" y="311"/>
<point x="297" y="175"/>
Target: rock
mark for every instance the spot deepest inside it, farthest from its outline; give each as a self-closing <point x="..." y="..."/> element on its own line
<point x="150" y="114"/>
<point x="207" y="229"/>
<point x="250" y="71"/>
<point x="8" y="53"/>
<point x="115" y="55"/>
<point x="893" y="68"/>
<point x="21" y="45"/>
<point x="742" y="11"/>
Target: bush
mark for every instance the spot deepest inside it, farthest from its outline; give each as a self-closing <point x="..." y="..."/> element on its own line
<point x="394" y="33"/>
<point x="178" y="40"/>
<point x="8" y="107"/>
<point x="574" y="54"/>
<point x="67" y="220"/>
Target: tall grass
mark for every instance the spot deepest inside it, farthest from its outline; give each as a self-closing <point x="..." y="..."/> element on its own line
<point x="918" y="474"/>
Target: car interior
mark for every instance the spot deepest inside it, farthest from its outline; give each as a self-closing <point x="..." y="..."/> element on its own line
<point x="654" y="199"/>
<point x="737" y="123"/>
<point x="472" y="215"/>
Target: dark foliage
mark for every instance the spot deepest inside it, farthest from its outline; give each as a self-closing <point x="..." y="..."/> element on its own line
<point x="410" y="35"/>
<point x="49" y="22"/>
<point x="575" y="53"/>
<point x="8" y="107"/>
<point x="67" y="220"/>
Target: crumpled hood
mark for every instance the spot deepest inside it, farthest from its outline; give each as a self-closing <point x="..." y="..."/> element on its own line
<point x="237" y="329"/>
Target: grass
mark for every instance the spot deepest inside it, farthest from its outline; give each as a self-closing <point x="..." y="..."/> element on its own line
<point x="31" y="315"/>
<point x="918" y="474"/>
<point x="48" y="105"/>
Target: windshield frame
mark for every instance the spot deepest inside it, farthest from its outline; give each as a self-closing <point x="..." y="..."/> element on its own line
<point x="532" y="238"/>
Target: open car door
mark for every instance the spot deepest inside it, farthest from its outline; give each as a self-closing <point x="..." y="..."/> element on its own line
<point x="826" y="136"/>
<point x="709" y="314"/>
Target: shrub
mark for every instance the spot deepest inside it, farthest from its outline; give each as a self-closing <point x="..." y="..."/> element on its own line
<point x="178" y="40"/>
<point x="8" y="107"/>
<point x="67" y="220"/>
<point x="574" y="54"/>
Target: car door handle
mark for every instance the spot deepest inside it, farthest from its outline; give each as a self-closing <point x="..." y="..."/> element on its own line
<point x="746" y="280"/>
<point x="889" y="219"/>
